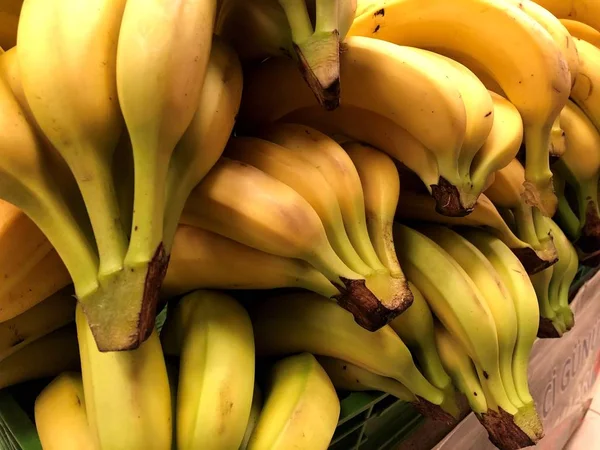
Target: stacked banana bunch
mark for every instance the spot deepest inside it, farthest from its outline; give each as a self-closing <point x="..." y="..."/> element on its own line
<point x="405" y="201"/>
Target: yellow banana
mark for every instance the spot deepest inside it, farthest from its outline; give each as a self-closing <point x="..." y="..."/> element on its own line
<point x="44" y="318"/>
<point x="405" y="77"/>
<point x="586" y="11"/>
<point x="507" y="192"/>
<point x="44" y="357"/>
<point x="527" y="63"/>
<point x="348" y="377"/>
<point x="583" y="92"/>
<point x="60" y="417"/>
<point x="515" y="278"/>
<point x="290" y="168"/>
<point x="461" y="369"/>
<point x="583" y="31"/>
<point x="212" y="335"/>
<point x="127" y="395"/>
<point x="243" y="203"/>
<point x="301" y="408"/>
<point x="484" y="215"/>
<point x="205" y="138"/>
<point x="580" y="167"/>
<point x="255" y="410"/>
<point x="307" y="322"/>
<point x="192" y="266"/>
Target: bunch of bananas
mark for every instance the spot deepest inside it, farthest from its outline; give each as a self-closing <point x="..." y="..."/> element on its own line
<point x="403" y="190"/>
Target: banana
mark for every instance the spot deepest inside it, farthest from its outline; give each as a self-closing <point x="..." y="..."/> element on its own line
<point x="470" y="321"/>
<point x="25" y="182"/>
<point x="494" y="292"/>
<point x="515" y="278"/>
<point x="44" y="357"/>
<point x="192" y="266"/>
<point x="461" y="369"/>
<point x="243" y="203"/>
<point x="301" y="408"/>
<point x="580" y="167"/>
<point x="44" y="318"/>
<point x="9" y="20"/>
<point x="60" y="417"/>
<point x="45" y="279"/>
<point x="348" y="377"/>
<point x="565" y="216"/>
<point x="212" y="334"/>
<point x="437" y="119"/>
<point x="255" y="410"/>
<point x="527" y="63"/>
<point x="204" y="140"/>
<point x="259" y="29"/>
<point x="308" y="322"/>
<point x="586" y="11"/>
<point x="415" y="328"/>
<point x="582" y="92"/>
<point x="582" y="31"/>
<point x="289" y="167"/>
<point x="506" y="192"/>
<point x="127" y="396"/>
<point x="563" y="275"/>
<point x="328" y="157"/>
<point x="551" y="325"/>
<point x="485" y="215"/>
<point x="76" y="105"/>
<point x="381" y="188"/>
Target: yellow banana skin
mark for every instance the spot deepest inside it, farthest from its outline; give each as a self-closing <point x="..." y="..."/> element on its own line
<point x="468" y="30"/>
<point x="293" y="318"/>
<point x="60" y="417"/>
<point x="583" y="92"/>
<point x="461" y="369"/>
<point x="582" y="31"/>
<point x="301" y="408"/>
<point x="127" y="395"/>
<point x="579" y="167"/>
<point x="192" y="266"/>
<point x="506" y="192"/>
<point x="44" y="357"/>
<point x="348" y="377"/>
<point x="485" y="215"/>
<point x="205" y="138"/>
<point x="586" y="11"/>
<point x="270" y="216"/>
<point x="44" y="318"/>
<point x="216" y="384"/>
<point x="255" y="410"/>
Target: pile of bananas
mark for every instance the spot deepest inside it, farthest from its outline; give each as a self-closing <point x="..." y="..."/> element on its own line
<point x="323" y="195"/>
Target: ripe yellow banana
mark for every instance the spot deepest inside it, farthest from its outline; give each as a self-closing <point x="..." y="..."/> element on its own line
<point x="349" y="377"/>
<point x="307" y="322"/>
<point x="60" y="417"/>
<point x="442" y="281"/>
<point x="243" y="203"/>
<point x="127" y="396"/>
<point x="328" y="157"/>
<point x="494" y="293"/>
<point x="527" y="63"/>
<point x="583" y="31"/>
<point x="259" y="29"/>
<point x="586" y="11"/>
<point x="205" y="138"/>
<point x="301" y="408"/>
<point x="76" y="104"/>
<point x="289" y="167"/>
<point x="507" y="192"/>
<point x="26" y="183"/>
<point x="212" y="335"/>
<point x="580" y="167"/>
<point x="44" y="318"/>
<point x="459" y="366"/>
<point x="515" y="278"/>
<point x="484" y="215"/>
<point x="192" y="266"/>
<point x="44" y="357"/>
<point x="583" y="92"/>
